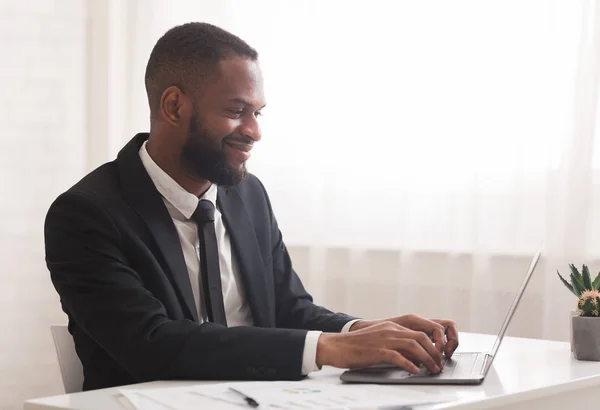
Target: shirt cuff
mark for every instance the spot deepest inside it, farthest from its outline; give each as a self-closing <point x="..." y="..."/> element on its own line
<point x="348" y="325"/>
<point x="309" y="356"/>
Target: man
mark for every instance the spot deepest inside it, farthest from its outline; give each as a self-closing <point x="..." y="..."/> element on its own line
<point x="169" y="262"/>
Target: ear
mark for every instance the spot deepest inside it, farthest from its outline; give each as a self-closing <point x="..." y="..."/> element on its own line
<point x="174" y="106"/>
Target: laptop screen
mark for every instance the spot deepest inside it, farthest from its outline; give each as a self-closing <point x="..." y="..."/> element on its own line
<point x="513" y="308"/>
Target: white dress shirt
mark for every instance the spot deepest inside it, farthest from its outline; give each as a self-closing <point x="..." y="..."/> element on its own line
<point x="181" y="204"/>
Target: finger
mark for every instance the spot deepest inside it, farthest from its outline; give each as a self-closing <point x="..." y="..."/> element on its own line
<point x="427" y="345"/>
<point x="414" y="349"/>
<point x="451" y="335"/>
<point x="439" y="338"/>
<point x="432" y="328"/>
<point x="412" y="359"/>
<point x="393" y="335"/>
<point x="395" y="358"/>
<point x="452" y="343"/>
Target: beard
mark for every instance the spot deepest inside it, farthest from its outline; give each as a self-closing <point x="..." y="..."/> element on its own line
<point x="204" y="155"/>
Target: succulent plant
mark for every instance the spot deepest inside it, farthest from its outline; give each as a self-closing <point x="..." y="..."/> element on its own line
<point x="589" y="303"/>
<point x="580" y="282"/>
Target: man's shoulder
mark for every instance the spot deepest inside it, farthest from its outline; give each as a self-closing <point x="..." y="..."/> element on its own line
<point x="93" y="201"/>
<point x="99" y="185"/>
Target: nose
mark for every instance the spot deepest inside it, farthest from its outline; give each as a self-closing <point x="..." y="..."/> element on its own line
<point x="250" y="128"/>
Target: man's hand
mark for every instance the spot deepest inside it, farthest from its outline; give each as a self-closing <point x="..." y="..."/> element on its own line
<point x="444" y="333"/>
<point x="382" y="343"/>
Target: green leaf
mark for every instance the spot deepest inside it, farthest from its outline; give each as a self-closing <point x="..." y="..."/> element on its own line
<point x="574" y="270"/>
<point x="575" y="275"/>
<point x="577" y="286"/>
<point x="596" y="283"/>
<point x="568" y="285"/>
<point x="587" y="281"/>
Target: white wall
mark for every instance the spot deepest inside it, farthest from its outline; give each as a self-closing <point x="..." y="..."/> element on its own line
<point x="41" y="154"/>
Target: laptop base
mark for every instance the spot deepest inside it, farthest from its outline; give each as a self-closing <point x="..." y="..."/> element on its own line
<point x="463" y="369"/>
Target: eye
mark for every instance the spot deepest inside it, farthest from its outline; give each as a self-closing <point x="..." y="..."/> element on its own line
<point x="237" y="113"/>
<point x="257" y="114"/>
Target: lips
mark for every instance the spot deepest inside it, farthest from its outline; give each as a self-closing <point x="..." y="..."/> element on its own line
<point x="240" y="146"/>
<point x="238" y="152"/>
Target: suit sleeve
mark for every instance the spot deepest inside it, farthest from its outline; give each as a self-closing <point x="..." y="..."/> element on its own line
<point x="108" y="300"/>
<point x="294" y="305"/>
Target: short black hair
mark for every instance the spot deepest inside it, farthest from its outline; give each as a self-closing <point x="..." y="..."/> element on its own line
<point x="187" y="53"/>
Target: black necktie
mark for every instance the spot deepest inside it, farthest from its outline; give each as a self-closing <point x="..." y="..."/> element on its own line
<point x="210" y="275"/>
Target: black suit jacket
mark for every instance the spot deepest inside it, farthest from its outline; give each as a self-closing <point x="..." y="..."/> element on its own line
<point x="116" y="261"/>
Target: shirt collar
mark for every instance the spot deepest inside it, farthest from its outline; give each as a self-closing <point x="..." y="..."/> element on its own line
<point x="182" y="200"/>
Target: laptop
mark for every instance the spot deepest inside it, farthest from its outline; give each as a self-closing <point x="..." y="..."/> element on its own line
<point x="463" y="368"/>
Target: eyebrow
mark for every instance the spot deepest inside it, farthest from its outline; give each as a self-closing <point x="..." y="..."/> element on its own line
<point x="246" y="103"/>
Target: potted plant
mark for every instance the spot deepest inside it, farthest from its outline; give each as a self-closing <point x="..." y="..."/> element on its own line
<point x="585" y="321"/>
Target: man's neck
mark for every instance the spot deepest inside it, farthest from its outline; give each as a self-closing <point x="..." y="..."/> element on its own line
<point x="170" y="163"/>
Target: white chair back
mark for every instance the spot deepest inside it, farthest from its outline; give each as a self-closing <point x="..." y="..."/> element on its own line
<point x="70" y="366"/>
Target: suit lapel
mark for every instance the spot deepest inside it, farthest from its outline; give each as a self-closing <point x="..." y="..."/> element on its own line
<point x="141" y="194"/>
<point x="245" y="246"/>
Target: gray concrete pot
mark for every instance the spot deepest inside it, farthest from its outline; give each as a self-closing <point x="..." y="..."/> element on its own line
<point x="586" y="338"/>
<point x="572" y="314"/>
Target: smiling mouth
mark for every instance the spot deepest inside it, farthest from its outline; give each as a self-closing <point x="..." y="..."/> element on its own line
<point x="239" y="146"/>
<point x="239" y="152"/>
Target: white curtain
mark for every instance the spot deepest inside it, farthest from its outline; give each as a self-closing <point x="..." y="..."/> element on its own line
<point x="42" y="153"/>
<point x="417" y="153"/>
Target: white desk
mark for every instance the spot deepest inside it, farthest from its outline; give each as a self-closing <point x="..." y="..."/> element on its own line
<point x="527" y="374"/>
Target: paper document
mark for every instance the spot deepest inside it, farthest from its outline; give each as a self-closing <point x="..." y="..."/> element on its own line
<point x="173" y="398"/>
<point x="305" y="395"/>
